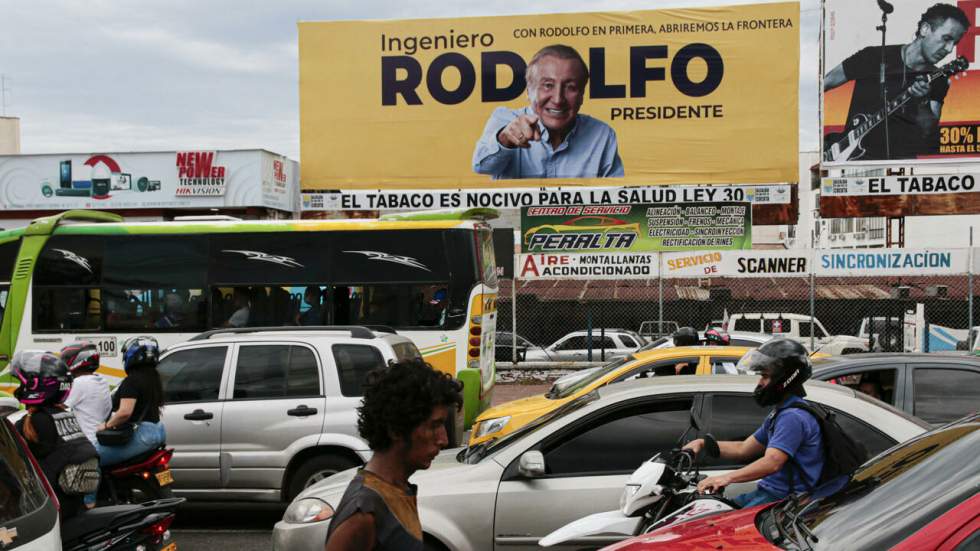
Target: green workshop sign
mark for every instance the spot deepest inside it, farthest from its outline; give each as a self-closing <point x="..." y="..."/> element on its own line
<point x="636" y="228"/>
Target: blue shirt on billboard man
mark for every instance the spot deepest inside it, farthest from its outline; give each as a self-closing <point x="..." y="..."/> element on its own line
<point x="549" y="138"/>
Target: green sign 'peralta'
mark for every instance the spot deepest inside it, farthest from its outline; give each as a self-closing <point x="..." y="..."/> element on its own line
<point x="636" y="228"/>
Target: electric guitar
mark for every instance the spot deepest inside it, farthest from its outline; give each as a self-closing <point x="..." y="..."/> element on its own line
<point x="844" y="147"/>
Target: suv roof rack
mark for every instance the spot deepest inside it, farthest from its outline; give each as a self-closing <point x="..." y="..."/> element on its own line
<point x="356" y="331"/>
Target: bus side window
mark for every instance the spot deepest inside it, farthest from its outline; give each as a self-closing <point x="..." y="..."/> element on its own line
<point x="67" y="309"/>
<point x="166" y="309"/>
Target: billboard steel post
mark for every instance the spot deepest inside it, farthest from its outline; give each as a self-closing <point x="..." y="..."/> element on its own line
<point x="660" y="294"/>
<point x="513" y="319"/>
<point x="813" y="286"/>
<point x="969" y="284"/>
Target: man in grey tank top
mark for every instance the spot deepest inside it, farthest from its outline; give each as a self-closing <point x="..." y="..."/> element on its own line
<point x="403" y="418"/>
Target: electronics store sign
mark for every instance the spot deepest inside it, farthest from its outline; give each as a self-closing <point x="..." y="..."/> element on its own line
<point x="151" y="180"/>
<point x="198" y="175"/>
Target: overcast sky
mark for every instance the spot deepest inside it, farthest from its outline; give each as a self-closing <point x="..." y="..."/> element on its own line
<point x="115" y="75"/>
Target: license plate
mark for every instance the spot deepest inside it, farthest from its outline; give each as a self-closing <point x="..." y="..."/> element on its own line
<point x="165" y="477"/>
<point x="107" y="346"/>
<point x="170" y="547"/>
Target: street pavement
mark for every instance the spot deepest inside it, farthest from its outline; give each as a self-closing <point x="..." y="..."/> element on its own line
<point x="204" y="526"/>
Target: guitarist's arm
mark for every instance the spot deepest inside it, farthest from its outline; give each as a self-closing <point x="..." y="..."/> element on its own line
<point x="927" y="116"/>
<point x="834" y="78"/>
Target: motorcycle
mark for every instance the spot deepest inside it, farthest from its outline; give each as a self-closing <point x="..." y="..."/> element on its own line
<point x="661" y="492"/>
<point x="142" y="478"/>
<point x="144" y="527"/>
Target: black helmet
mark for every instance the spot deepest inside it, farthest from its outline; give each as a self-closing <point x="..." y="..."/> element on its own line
<point x="685" y="336"/>
<point x="43" y="377"/>
<point x="80" y="357"/>
<point x="137" y="351"/>
<point x="716" y="337"/>
<point x="787" y="364"/>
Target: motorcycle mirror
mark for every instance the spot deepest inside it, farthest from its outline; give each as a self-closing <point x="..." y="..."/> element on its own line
<point x="8" y="405"/>
<point x="711" y="446"/>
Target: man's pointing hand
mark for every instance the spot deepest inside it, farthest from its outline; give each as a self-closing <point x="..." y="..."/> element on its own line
<point x="520" y="132"/>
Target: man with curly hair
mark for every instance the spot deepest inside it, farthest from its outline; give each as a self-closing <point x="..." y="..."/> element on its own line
<point x="403" y="418"/>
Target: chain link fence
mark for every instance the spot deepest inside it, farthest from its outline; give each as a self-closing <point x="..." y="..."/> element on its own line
<point x="594" y="320"/>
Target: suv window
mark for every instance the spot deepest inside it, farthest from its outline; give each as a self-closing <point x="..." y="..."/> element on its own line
<point x="276" y="371"/>
<point x="877" y="383"/>
<point x="743" y="324"/>
<point x="21" y="490"/>
<point x="406" y="351"/>
<point x="628" y="341"/>
<point x="609" y="444"/>
<point x="354" y="362"/>
<point x="943" y="395"/>
<point x="573" y="343"/>
<point x="192" y="375"/>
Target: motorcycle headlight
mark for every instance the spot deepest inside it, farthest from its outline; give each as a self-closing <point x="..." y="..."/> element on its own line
<point x="491" y="426"/>
<point x="306" y="510"/>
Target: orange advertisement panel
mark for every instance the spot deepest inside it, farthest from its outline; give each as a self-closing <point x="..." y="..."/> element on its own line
<point x="927" y="108"/>
<point x="680" y="96"/>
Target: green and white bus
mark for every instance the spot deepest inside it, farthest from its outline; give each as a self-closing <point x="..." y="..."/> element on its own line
<point x="88" y="275"/>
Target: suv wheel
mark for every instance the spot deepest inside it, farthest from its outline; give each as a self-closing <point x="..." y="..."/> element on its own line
<point x="316" y="469"/>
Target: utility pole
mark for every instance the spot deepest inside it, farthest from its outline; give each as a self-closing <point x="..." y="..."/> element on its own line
<point x="3" y="95"/>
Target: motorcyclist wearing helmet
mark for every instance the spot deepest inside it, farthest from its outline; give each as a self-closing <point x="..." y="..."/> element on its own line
<point x="138" y="400"/>
<point x="90" y="399"/>
<point x="52" y="432"/>
<point x="787" y="447"/>
<point x="685" y="336"/>
<point x="716" y="337"/>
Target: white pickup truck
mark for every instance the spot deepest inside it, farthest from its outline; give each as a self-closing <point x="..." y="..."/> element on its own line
<point x="798" y="327"/>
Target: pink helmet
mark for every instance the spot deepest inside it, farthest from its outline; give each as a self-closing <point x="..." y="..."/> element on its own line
<point x="43" y="377"/>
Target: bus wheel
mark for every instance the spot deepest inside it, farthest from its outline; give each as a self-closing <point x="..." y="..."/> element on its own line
<point x="314" y="470"/>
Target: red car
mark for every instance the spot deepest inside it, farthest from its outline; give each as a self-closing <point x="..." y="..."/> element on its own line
<point x="920" y="495"/>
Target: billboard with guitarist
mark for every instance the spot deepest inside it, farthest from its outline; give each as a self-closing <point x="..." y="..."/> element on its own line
<point x="901" y="83"/>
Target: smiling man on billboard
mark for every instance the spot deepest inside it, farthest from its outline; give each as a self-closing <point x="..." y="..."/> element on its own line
<point x="549" y="138"/>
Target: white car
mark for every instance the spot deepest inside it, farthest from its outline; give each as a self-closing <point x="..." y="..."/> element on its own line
<point x="574" y="461"/>
<point x="574" y="347"/>
<point x="798" y="327"/>
<point x="29" y="516"/>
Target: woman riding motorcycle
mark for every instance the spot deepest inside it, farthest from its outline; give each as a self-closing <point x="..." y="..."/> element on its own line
<point x="52" y="432"/>
<point x="139" y="400"/>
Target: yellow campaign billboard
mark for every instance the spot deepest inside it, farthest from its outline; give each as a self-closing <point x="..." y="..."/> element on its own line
<point x="678" y="96"/>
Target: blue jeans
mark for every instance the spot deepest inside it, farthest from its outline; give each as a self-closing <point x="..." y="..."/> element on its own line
<point x="148" y="436"/>
<point x="757" y="497"/>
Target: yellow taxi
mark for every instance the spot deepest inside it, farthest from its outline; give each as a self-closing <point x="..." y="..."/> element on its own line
<point x="682" y="360"/>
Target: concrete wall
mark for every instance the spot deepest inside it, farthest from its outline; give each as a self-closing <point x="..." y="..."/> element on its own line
<point x="9" y="136"/>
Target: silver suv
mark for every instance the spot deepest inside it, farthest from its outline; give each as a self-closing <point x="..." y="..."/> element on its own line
<point x="574" y="347"/>
<point x="259" y="414"/>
